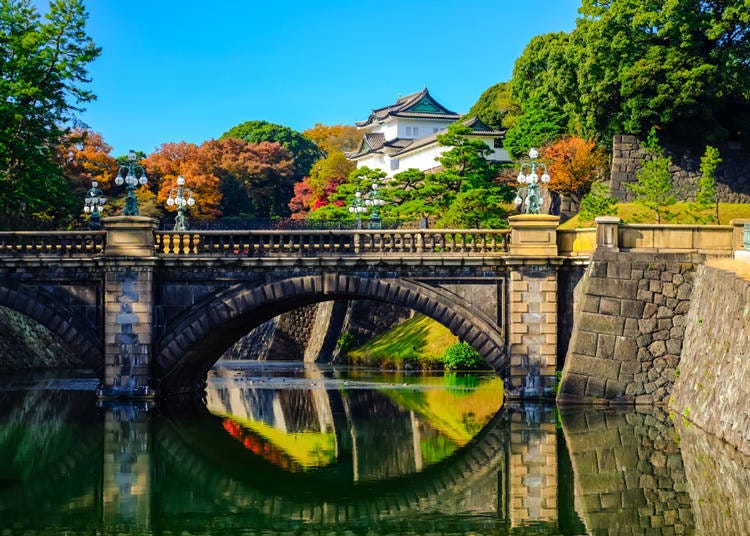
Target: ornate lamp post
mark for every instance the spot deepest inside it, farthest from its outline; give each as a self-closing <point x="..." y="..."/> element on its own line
<point x="375" y="200"/>
<point x="182" y="197"/>
<point x="129" y="175"/>
<point x="529" y="198"/>
<point x="93" y="203"/>
<point x="358" y="207"/>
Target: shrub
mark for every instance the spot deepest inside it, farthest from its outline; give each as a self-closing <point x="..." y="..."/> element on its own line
<point x="598" y="202"/>
<point x="345" y="343"/>
<point x="461" y="356"/>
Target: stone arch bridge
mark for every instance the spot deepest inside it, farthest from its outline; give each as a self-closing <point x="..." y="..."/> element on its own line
<point x="151" y="311"/>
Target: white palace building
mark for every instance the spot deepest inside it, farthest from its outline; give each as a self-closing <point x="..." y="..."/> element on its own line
<point x="404" y="135"/>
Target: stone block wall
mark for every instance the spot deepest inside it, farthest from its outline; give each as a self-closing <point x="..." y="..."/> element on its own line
<point x="283" y="338"/>
<point x="26" y="344"/>
<point x="732" y="176"/>
<point x="366" y="319"/>
<point x="628" y="472"/>
<point x="628" y="335"/>
<point x="532" y="330"/>
<point x="713" y="387"/>
<point x="289" y="336"/>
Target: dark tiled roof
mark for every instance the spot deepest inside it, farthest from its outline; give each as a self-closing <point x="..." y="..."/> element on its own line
<point x="375" y="143"/>
<point x="420" y="104"/>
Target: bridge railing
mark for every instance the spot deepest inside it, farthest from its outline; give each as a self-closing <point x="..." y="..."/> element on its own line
<point x="312" y="243"/>
<point x="57" y="243"/>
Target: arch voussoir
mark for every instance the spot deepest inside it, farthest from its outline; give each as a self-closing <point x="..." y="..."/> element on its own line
<point x="200" y="340"/>
<point x="41" y="307"/>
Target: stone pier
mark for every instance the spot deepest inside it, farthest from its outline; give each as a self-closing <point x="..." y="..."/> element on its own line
<point x="129" y="263"/>
<point x="532" y="295"/>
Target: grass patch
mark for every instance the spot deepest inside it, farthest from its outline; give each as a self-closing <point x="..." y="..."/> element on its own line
<point x="681" y="213"/>
<point x="419" y="342"/>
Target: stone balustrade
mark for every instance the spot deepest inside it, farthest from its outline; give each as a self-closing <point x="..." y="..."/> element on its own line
<point x="57" y="243"/>
<point x="313" y="243"/>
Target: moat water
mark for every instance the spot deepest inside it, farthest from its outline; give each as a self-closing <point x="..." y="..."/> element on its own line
<point x="289" y="448"/>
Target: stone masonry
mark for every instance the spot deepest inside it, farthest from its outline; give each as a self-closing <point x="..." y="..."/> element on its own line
<point x="533" y="321"/>
<point x="629" y="332"/>
<point x="733" y="184"/>
<point x="712" y="389"/>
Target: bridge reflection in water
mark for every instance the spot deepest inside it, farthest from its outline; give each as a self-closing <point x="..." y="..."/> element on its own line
<point x="330" y="452"/>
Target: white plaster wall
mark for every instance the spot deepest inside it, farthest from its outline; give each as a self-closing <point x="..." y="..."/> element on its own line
<point x="422" y="159"/>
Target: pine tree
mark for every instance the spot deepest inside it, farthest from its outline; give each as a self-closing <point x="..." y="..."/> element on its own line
<point x="706" y="198"/>
<point x="654" y="189"/>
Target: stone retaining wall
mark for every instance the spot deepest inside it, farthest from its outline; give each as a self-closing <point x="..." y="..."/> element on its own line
<point x="26" y="344"/>
<point x="629" y="329"/>
<point x="296" y="335"/>
<point x="732" y="176"/>
<point x="713" y="387"/>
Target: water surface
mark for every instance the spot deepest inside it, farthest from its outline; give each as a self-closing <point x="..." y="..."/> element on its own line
<point x="280" y="448"/>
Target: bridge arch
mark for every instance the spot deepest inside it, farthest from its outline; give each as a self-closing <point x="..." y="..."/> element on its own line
<point x="194" y="341"/>
<point x="55" y="316"/>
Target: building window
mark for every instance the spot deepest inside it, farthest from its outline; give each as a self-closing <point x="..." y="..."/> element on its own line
<point x="408" y="132"/>
<point x="415" y="131"/>
<point x="394" y="164"/>
<point x="435" y="130"/>
<point x="498" y="143"/>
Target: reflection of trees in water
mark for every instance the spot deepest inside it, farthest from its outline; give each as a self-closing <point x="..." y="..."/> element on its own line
<point x="50" y="447"/>
<point x="37" y="428"/>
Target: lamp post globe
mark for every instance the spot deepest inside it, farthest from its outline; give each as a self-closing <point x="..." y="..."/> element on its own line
<point x="132" y="175"/>
<point x="93" y="204"/>
<point x="529" y="197"/>
<point x="181" y="197"/>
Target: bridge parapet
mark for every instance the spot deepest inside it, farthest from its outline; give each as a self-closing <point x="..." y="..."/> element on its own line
<point x="314" y="243"/>
<point x="53" y="243"/>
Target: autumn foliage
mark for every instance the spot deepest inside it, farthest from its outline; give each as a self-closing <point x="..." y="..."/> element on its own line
<point x="573" y="165"/>
<point x="262" y="172"/>
<point x="85" y="157"/>
<point x="174" y="159"/>
<point x="332" y="138"/>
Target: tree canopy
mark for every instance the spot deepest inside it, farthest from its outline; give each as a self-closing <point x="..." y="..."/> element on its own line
<point x="495" y="107"/>
<point x="43" y="73"/>
<point x="681" y="64"/>
<point x="303" y="149"/>
<point x="330" y="138"/>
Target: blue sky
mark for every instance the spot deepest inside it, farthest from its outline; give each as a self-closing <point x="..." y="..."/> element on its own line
<point x="190" y="70"/>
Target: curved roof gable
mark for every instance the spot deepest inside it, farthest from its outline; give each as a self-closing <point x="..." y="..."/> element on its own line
<point x="416" y="105"/>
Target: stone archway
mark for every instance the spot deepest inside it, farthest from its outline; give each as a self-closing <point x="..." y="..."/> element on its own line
<point x="42" y="308"/>
<point x="196" y="340"/>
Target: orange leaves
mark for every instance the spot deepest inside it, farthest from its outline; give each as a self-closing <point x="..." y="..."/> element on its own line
<point x="85" y="158"/>
<point x="574" y="164"/>
<point x="258" y="167"/>
<point x="332" y="138"/>
<point x="174" y="159"/>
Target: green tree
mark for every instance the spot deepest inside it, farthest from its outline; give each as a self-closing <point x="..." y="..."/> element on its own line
<point x="304" y="150"/>
<point x="681" y="64"/>
<point x="538" y="125"/>
<point x="705" y="197"/>
<point x="597" y="202"/>
<point x="495" y="107"/>
<point x="654" y="188"/>
<point x="673" y="63"/>
<point x="43" y="70"/>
